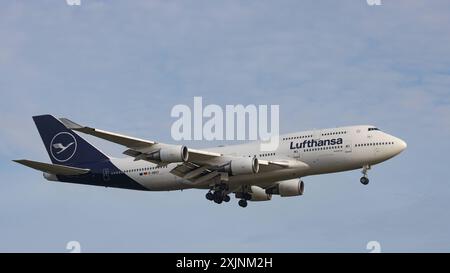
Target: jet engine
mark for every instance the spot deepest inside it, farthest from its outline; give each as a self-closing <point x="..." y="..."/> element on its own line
<point x="170" y="153"/>
<point x="259" y="194"/>
<point x="293" y="187"/>
<point x="244" y="165"/>
<point x="256" y="194"/>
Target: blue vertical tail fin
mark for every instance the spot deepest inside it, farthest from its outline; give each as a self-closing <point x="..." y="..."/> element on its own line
<point x="63" y="145"/>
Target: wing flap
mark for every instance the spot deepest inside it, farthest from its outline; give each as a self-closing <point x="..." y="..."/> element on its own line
<point x="201" y="156"/>
<point x="276" y="164"/>
<point x="52" y="168"/>
<point x="197" y="175"/>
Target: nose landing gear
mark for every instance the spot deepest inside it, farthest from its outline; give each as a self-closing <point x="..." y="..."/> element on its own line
<point x="365" y="180"/>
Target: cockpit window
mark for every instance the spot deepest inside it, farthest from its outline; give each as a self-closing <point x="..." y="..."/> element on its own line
<point x="374" y="129"/>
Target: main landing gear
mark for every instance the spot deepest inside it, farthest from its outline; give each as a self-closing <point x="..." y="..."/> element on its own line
<point x="243" y="203"/>
<point x="365" y="180"/>
<point x="219" y="194"/>
<point x="244" y="197"/>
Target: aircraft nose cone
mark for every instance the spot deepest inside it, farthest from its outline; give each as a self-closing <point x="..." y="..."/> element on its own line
<point x="402" y="145"/>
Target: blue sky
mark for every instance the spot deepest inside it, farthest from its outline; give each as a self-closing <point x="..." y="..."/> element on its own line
<point x="123" y="65"/>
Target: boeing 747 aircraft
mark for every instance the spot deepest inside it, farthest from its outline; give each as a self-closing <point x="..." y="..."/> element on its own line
<point x="243" y="169"/>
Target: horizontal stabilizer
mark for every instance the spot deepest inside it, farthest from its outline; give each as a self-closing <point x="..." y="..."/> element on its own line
<point x="52" y="168"/>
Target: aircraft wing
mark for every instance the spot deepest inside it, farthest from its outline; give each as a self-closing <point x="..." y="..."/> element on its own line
<point x="52" y="168"/>
<point x="198" y="174"/>
<point x="199" y="167"/>
<point x="113" y="137"/>
<point x="138" y="148"/>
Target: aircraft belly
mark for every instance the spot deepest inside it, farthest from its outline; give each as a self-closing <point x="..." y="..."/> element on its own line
<point x="164" y="182"/>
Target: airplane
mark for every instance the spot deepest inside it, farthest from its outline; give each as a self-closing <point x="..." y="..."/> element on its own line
<point x="243" y="170"/>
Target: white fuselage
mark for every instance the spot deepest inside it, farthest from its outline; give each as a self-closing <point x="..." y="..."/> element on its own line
<point x="323" y="151"/>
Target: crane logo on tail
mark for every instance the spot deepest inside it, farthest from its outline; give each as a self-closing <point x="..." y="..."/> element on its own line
<point x="63" y="146"/>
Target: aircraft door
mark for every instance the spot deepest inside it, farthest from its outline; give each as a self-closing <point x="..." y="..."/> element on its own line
<point x="348" y="147"/>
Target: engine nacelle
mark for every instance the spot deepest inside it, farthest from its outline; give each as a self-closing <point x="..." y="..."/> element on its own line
<point x="169" y="154"/>
<point x="256" y="194"/>
<point x="287" y="188"/>
<point x="244" y="165"/>
<point x="259" y="194"/>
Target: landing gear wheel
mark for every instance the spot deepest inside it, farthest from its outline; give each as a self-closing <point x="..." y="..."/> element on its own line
<point x="226" y="198"/>
<point x="209" y="196"/>
<point x="218" y="197"/>
<point x="243" y="203"/>
<point x="247" y="196"/>
<point x="364" y="180"/>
